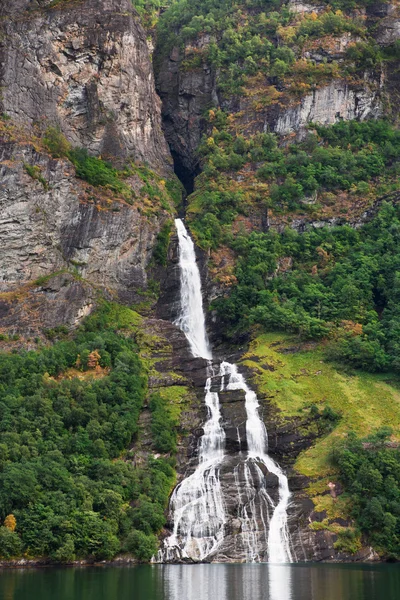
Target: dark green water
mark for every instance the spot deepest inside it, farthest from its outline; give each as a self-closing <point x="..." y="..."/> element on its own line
<point x="204" y="582"/>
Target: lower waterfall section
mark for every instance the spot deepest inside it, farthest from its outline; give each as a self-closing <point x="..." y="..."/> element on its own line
<point x="273" y="516"/>
<point x="202" y="520"/>
<point x="197" y="502"/>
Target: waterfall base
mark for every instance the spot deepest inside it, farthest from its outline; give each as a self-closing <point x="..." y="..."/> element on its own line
<point x="248" y="485"/>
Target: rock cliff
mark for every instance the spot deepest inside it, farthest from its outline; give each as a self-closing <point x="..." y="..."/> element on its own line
<point x="82" y="68"/>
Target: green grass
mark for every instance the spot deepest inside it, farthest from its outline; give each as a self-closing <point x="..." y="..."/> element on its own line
<point x="365" y="401"/>
<point x="176" y="398"/>
<point x="114" y="315"/>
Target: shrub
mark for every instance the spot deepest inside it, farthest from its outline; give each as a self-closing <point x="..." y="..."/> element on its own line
<point x="163" y="426"/>
<point x="55" y="142"/>
<point x="96" y="171"/>
<point x="141" y="545"/>
<point x="10" y="543"/>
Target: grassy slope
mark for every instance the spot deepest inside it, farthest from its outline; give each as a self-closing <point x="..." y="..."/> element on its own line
<point x="301" y="378"/>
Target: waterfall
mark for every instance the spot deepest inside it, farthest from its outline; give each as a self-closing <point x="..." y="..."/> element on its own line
<point x="191" y="319"/>
<point x="257" y="444"/>
<point x="197" y="503"/>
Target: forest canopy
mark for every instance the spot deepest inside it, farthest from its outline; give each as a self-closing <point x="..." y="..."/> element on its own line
<point x="68" y="415"/>
<point x="341" y="283"/>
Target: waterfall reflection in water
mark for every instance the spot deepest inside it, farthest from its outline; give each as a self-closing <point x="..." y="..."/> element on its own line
<point x="230" y="582"/>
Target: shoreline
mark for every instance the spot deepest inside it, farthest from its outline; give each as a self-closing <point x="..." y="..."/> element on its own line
<point x="132" y="562"/>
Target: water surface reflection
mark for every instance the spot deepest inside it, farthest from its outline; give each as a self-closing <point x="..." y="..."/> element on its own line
<point x="204" y="582"/>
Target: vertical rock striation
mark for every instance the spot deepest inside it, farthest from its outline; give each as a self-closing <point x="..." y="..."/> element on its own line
<point x="83" y="66"/>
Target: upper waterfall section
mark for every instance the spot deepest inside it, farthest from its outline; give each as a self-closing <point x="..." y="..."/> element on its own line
<point x="191" y="319"/>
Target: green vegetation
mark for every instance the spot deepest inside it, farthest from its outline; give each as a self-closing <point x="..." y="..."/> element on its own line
<point x="351" y="157"/>
<point x="153" y="194"/>
<point x="160" y="251"/>
<point x="240" y="42"/>
<point x="36" y="173"/>
<point x="68" y="414"/>
<point x="55" y="143"/>
<point x="303" y="385"/>
<point x="253" y="40"/>
<point x="163" y="425"/>
<point x="371" y="474"/>
<point x="149" y="11"/>
<point x="97" y="172"/>
<point x="339" y="282"/>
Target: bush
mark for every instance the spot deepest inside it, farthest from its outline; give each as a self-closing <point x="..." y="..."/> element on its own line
<point x="163" y="426"/>
<point x="10" y="543"/>
<point x="141" y="545"/>
<point x="55" y="142"/>
<point x="96" y="171"/>
<point x="371" y="478"/>
<point x="160" y="251"/>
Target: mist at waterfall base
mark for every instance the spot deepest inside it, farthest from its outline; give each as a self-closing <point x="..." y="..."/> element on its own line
<point x="197" y="504"/>
<point x="204" y="582"/>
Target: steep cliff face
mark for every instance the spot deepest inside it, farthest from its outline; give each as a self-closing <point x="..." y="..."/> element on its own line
<point x="82" y="66"/>
<point x="84" y="69"/>
<point x="191" y="78"/>
<point x="185" y="95"/>
<point x="61" y="223"/>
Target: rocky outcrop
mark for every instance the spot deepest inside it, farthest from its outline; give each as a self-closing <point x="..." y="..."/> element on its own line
<point x="58" y="223"/>
<point x="388" y="24"/>
<point x="83" y="66"/>
<point x="67" y="223"/>
<point x="330" y="104"/>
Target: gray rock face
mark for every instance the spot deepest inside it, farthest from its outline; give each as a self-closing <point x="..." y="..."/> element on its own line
<point x="82" y="66"/>
<point x="85" y="67"/>
<point x="62" y="300"/>
<point x="329" y="104"/>
<point x="68" y="226"/>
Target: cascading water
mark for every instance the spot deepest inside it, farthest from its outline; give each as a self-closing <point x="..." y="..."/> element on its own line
<point x="257" y="444"/>
<point x="191" y="319"/>
<point x="197" y="503"/>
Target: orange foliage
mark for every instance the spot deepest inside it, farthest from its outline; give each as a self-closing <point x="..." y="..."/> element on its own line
<point x="10" y="522"/>
<point x="93" y="360"/>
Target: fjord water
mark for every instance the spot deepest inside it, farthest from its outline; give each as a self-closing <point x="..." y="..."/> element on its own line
<point x="204" y="582"/>
<point x="197" y="503"/>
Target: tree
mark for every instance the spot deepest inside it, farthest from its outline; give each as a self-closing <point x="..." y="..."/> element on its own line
<point x="10" y="543"/>
<point x="10" y="522"/>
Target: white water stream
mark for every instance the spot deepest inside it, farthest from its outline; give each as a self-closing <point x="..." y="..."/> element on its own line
<point x="197" y="503"/>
